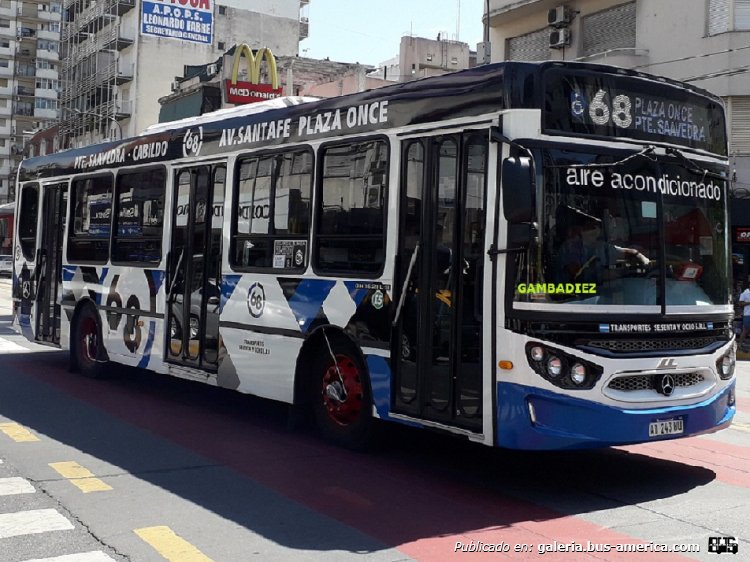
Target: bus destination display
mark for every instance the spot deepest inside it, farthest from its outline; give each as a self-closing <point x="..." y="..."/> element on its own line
<point x="619" y="106"/>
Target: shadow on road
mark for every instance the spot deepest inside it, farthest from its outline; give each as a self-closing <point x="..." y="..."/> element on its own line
<point x="415" y="485"/>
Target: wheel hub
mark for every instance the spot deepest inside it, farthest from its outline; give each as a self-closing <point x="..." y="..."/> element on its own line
<point x="342" y="391"/>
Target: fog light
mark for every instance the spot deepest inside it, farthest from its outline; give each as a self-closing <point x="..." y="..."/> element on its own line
<point x="730" y="398"/>
<point x="536" y="353"/>
<point x="554" y="366"/>
<point x="578" y="374"/>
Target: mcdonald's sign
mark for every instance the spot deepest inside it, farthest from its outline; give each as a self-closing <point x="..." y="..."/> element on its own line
<point x="252" y="90"/>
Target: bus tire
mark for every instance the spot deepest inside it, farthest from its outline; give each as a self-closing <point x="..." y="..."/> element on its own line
<point x="87" y="346"/>
<point x="344" y="419"/>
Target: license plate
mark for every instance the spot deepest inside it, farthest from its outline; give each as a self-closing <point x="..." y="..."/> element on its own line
<point x="666" y="427"/>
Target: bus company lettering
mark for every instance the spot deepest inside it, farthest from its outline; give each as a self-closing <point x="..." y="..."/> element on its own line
<point x="374" y="113"/>
<point x="668" y="119"/>
<point x="150" y="150"/>
<point x="557" y="288"/>
<point x="651" y="328"/>
<point x="666" y="185"/>
<point x="255" y="346"/>
<point x="106" y="158"/>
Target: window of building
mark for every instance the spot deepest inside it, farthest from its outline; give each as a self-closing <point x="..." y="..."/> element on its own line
<point x="529" y="47"/>
<point x="5" y="63"/>
<point x="222" y="10"/>
<point x="352" y="209"/>
<point x="91" y="220"/>
<point x="55" y="7"/>
<point x="221" y="45"/>
<point x="46" y="45"/>
<point x="45" y="103"/>
<point x="272" y="221"/>
<point x="4" y="22"/>
<point x="609" y="29"/>
<point x="728" y="15"/>
<point x="140" y="216"/>
<point x="4" y="43"/>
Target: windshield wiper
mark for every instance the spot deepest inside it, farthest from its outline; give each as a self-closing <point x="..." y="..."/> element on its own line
<point x="649" y="152"/>
<point x="693" y="166"/>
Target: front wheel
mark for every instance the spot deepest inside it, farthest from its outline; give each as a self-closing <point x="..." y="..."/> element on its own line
<point x="341" y="398"/>
<point x="87" y="348"/>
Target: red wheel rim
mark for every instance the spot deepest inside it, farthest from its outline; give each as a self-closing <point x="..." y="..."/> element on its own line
<point x="343" y="412"/>
<point x="89" y="339"/>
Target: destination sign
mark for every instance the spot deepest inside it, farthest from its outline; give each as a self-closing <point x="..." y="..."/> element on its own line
<point x="597" y="104"/>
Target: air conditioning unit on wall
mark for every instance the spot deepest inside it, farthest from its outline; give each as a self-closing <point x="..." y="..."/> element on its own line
<point x="559" y="16"/>
<point x="559" y="39"/>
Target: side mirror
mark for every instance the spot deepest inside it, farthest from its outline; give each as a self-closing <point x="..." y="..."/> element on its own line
<point x="518" y="189"/>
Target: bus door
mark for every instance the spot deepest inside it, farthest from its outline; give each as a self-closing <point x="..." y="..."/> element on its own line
<point x="48" y="272"/>
<point x="437" y="333"/>
<point x="194" y="267"/>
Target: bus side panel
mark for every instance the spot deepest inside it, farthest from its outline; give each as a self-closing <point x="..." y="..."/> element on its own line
<point x="265" y="320"/>
<point x="133" y="339"/>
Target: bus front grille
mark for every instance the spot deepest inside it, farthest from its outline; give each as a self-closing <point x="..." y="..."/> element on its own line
<point x="655" y="344"/>
<point x="629" y="383"/>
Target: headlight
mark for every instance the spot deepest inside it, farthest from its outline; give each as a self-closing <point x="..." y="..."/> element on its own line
<point x="554" y="366"/>
<point x="578" y="374"/>
<point x="536" y="353"/>
<point x="725" y="365"/>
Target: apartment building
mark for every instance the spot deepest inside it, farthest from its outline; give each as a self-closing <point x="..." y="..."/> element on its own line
<point x="29" y="59"/>
<point x="120" y="56"/>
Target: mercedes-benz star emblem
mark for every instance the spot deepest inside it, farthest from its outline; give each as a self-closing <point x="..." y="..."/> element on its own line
<point x="666" y="385"/>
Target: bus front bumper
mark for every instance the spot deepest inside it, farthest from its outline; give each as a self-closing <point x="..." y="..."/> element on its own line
<point x="562" y="422"/>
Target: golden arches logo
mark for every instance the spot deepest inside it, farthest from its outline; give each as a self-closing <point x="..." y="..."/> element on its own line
<point x="253" y="65"/>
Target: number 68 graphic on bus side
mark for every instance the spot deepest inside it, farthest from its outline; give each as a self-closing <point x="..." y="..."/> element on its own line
<point x="132" y="331"/>
<point x="620" y="110"/>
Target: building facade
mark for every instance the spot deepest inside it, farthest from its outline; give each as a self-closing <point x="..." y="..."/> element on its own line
<point x="29" y="65"/>
<point x="121" y="56"/>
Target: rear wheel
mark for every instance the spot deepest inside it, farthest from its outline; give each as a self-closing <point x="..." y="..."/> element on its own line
<point x="341" y="398"/>
<point x="87" y="349"/>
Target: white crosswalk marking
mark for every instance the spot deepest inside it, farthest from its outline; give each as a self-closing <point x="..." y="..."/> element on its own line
<point x="7" y="346"/>
<point x="96" y="556"/>
<point x="31" y="522"/>
<point x="15" y="485"/>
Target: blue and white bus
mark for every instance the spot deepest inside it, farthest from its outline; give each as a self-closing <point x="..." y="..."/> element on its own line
<point x="528" y="255"/>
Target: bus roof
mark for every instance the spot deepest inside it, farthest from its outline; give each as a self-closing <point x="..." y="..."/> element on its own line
<point x="472" y="92"/>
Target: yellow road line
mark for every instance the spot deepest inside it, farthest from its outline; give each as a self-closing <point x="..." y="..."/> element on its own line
<point x="17" y="432"/>
<point x="80" y="477"/>
<point x="170" y="545"/>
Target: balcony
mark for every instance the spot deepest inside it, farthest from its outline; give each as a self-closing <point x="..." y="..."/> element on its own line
<point x="114" y="40"/>
<point x="123" y="110"/>
<point x="23" y="91"/>
<point x="25" y="110"/>
<point x="26" y="33"/>
<point x="304" y="28"/>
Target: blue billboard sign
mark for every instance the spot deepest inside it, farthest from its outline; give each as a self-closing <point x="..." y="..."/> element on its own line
<point x="186" y="20"/>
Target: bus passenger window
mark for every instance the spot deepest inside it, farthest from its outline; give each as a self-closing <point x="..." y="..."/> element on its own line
<point x="351" y="229"/>
<point x="137" y="236"/>
<point x="27" y="220"/>
<point x="272" y="212"/>
<point x="91" y="218"/>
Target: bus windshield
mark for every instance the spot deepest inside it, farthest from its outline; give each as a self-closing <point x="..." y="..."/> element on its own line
<point x="628" y="230"/>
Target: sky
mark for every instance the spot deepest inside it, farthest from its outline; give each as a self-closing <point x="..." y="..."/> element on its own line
<point x="370" y="31"/>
